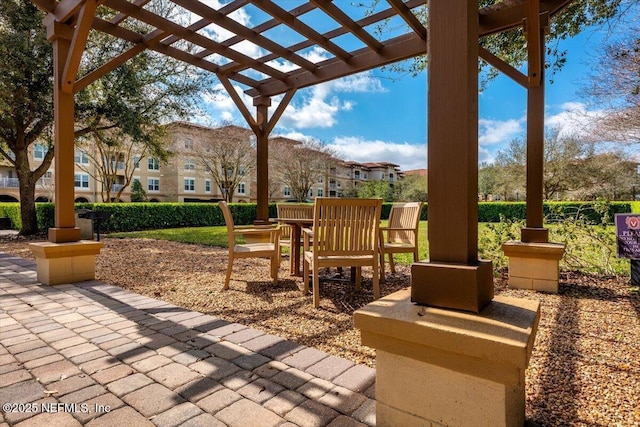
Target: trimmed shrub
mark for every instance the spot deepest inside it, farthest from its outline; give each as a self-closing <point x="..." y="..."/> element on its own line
<point x="145" y="216"/>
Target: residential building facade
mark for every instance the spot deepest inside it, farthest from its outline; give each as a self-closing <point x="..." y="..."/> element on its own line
<point x="184" y="176"/>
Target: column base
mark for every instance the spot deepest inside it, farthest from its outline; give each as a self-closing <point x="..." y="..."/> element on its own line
<point x="449" y="368"/>
<point x="62" y="263"/>
<point x="460" y="287"/>
<point x="534" y="266"/>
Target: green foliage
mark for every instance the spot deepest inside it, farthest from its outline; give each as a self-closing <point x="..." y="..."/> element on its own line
<point x="137" y="192"/>
<point x="376" y="190"/>
<point x="590" y="243"/>
<point x="497" y="211"/>
<point x="491" y="238"/>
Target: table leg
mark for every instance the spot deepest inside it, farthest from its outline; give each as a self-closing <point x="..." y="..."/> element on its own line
<point x="295" y="248"/>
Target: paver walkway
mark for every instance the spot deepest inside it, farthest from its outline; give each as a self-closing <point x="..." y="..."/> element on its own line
<point x="97" y="355"/>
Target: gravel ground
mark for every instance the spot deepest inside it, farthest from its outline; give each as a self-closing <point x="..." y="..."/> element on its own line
<point x="585" y="367"/>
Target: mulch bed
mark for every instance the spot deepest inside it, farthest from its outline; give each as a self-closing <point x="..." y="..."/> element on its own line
<point x="585" y="366"/>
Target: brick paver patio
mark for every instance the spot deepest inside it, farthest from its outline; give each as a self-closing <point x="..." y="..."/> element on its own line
<point x="97" y="355"/>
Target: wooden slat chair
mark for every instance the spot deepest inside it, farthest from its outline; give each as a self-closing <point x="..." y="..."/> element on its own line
<point x="270" y="249"/>
<point x="291" y="210"/>
<point x="401" y="233"/>
<point x="345" y="234"/>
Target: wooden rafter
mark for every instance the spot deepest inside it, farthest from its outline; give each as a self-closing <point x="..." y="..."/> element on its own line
<point x="342" y="18"/>
<point x="191" y="36"/>
<point x="78" y="42"/>
<point x="409" y="18"/>
<point x="295" y="24"/>
<point x="258" y="39"/>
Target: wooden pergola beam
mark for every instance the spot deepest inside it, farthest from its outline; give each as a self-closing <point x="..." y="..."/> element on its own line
<point x="397" y="49"/>
<point x="188" y="35"/>
<point x="291" y="21"/>
<point x="409" y="18"/>
<point x="344" y="20"/>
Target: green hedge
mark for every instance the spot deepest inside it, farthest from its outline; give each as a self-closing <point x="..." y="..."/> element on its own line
<point x="143" y="216"/>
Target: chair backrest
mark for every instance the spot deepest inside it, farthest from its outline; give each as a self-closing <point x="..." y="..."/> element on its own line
<point x="346" y="227"/>
<point x="293" y="210"/>
<point x="228" y="220"/>
<point x="404" y="215"/>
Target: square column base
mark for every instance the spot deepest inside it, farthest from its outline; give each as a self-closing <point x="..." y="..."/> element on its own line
<point x="534" y="266"/>
<point x="437" y="367"/>
<point x="456" y="286"/>
<point x="62" y="263"/>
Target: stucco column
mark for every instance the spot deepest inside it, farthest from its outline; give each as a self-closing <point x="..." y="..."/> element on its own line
<point x="453" y="277"/>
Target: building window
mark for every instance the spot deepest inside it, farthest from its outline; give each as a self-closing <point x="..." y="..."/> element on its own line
<point x="287" y="191"/>
<point x="207" y="186"/>
<point x="320" y="180"/>
<point x="81" y="157"/>
<point x="38" y="152"/>
<point x="81" y="180"/>
<point x="153" y="164"/>
<point x="153" y="184"/>
<point x="189" y="184"/>
<point x="356" y="174"/>
<point x="311" y="192"/>
<point x="241" y="188"/>
<point x="188" y="144"/>
<point x="189" y="165"/>
<point x="136" y="162"/>
<point x="320" y="192"/>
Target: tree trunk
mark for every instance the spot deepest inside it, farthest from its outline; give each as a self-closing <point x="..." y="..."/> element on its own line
<point x="27" y="182"/>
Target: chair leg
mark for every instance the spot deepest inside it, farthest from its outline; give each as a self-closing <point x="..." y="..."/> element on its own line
<point x="376" y="282"/>
<point x="382" y="272"/>
<point x="228" y="278"/>
<point x="391" y="263"/>
<point x="274" y="268"/>
<point x="316" y="287"/>
<point x="415" y="255"/>
<point x="305" y="275"/>
<point x="358" y="278"/>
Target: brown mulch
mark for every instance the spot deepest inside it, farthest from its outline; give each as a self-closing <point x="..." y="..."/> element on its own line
<point x="585" y="367"/>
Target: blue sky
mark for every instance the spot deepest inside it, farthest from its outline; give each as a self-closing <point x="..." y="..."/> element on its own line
<point x="379" y="116"/>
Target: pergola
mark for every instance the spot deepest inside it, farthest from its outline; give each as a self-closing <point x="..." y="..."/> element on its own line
<point x="350" y="46"/>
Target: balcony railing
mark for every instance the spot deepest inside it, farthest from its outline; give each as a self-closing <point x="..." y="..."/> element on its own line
<point x="9" y="183"/>
<point x="117" y="187"/>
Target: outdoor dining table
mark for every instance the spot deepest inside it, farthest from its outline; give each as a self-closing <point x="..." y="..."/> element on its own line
<point x="296" y="232"/>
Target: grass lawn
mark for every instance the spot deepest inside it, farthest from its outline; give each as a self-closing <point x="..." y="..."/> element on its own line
<point x="589" y="249"/>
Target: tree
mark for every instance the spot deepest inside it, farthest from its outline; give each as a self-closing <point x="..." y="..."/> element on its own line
<point x="560" y="155"/>
<point x="614" y="87"/>
<point x="376" y="190"/>
<point x="510" y="46"/>
<point x="610" y="176"/>
<point x="488" y="176"/>
<point x="26" y="98"/>
<point x="411" y="188"/>
<point x="137" y="192"/>
<point x="228" y="156"/>
<point x="127" y="103"/>
<point x="300" y="166"/>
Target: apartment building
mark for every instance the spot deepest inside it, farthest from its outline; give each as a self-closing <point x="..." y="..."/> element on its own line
<point x="184" y="178"/>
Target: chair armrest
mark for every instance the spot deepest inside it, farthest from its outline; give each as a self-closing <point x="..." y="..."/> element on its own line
<point x="307" y="235"/>
<point x="396" y="229"/>
<point x="257" y="230"/>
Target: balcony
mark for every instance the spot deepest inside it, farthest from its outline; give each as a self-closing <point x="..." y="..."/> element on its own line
<point x="117" y="187"/>
<point x="9" y="183"/>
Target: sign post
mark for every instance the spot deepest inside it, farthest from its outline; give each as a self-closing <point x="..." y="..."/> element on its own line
<point x="628" y="237"/>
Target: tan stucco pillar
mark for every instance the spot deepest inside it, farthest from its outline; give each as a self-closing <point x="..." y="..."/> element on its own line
<point x="438" y="367"/>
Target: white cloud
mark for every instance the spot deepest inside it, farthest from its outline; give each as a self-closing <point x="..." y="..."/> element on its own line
<point x="321" y="104"/>
<point x="492" y="132"/>
<point x="408" y="156"/>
